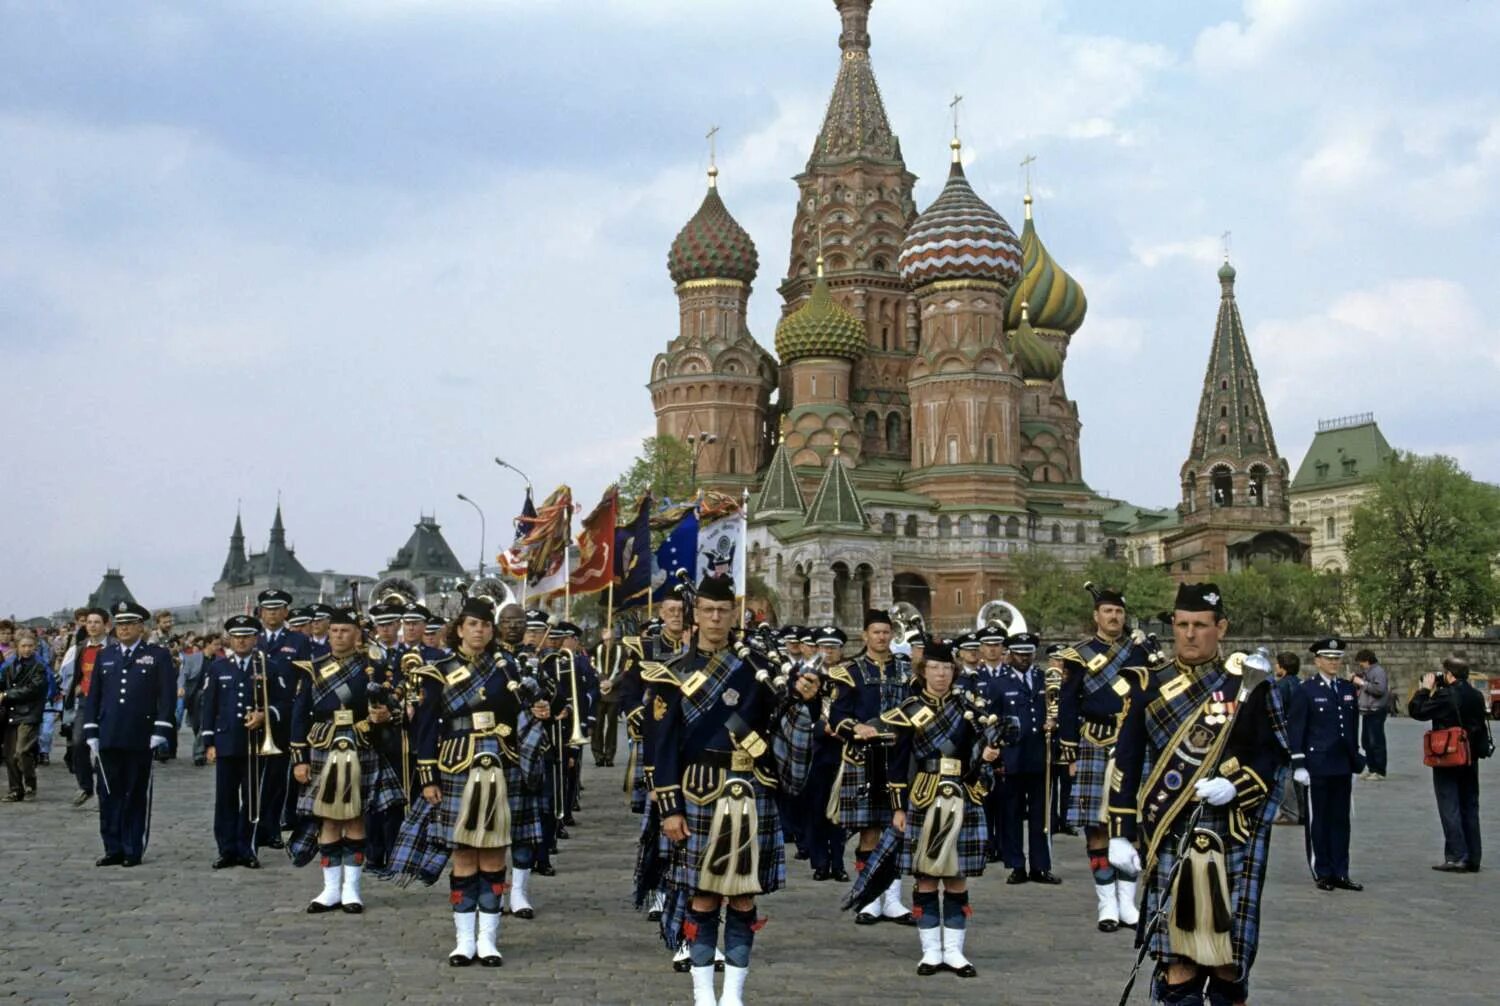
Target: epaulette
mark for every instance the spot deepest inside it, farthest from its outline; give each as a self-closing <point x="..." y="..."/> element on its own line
<point x="910" y="713"/>
<point x="658" y="673"/>
<point x="305" y="665"/>
<point x="634" y="645"/>
<point x="1070" y="654"/>
<point x="840" y="673"/>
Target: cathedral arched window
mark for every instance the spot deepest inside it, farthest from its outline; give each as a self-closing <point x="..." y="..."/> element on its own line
<point x="953" y="450"/>
<point x="992" y="526"/>
<point x="1012" y="527"/>
<point x="965" y="526"/>
<point x="911" y="525"/>
<point x="893" y="431"/>
<point x="1056" y="533"/>
<point x="888" y="525"/>
<point x="1080" y="533"/>
<point x="1223" y="486"/>
<point x="1257" y="487"/>
<point x="872" y="427"/>
<point x="945" y="527"/>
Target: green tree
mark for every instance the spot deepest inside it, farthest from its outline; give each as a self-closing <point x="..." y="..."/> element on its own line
<point x="1422" y="547"/>
<point x="1282" y="598"/>
<point x="1052" y="596"/>
<point x="664" y="468"/>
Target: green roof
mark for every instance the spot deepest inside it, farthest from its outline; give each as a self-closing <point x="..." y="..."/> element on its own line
<point x="836" y="504"/>
<point x="1127" y="518"/>
<point x="779" y="493"/>
<point x="1343" y="452"/>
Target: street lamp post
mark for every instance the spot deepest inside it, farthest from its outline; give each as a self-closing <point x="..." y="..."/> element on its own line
<point x="697" y="443"/>
<point x="506" y="464"/>
<point x="481" y="531"/>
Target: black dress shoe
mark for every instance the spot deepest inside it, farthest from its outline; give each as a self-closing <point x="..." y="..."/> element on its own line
<point x="803" y="854"/>
<point x="967" y="971"/>
<point x="1452" y="867"/>
<point x="1472" y="868"/>
<point x="1109" y="926"/>
<point x="928" y="969"/>
<point x="570" y="823"/>
<point x="841" y="875"/>
<point x="562" y="832"/>
<point x="992" y="857"/>
<point x="354" y="908"/>
<point x="1345" y="884"/>
<point x="250" y="862"/>
<point x="131" y="861"/>
<point x="866" y="919"/>
<point x="545" y="870"/>
<point x="683" y="966"/>
<point x="113" y="859"/>
<point x="199" y="762"/>
<point x="225" y="862"/>
<point x="1017" y="876"/>
<point x="1044" y="877"/>
<point x="654" y="915"/>
<point x="275" y="843"/>
<point x="718" y="967"/>
<point x="492" y="961"/>
<point x="1325" y="884"/>
<point x="459" y="961"/>
<point x="524" y="913"/>
<point x="318" y="908"/>
<point x="820" y="875"/>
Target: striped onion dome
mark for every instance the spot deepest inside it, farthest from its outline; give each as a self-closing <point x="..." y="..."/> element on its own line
<point x="820" y="327"/>
<point x="960" y="237"/>
<point x="1039" y="362"/>
<point x="712" y="245"/>
<point x="1056" y="300"/>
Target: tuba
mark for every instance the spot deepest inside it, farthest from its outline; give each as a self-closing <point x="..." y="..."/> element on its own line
<point x="395" y="588"/>
<point x="906" y="619"/>
<point x="494" y="590"/>
<point x="1002" y="613"/>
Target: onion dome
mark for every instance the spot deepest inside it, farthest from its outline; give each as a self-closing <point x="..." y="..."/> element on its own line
<point x="820" y="327"/>
<point x="1039" y="362"/>
<point x="1056" y="300"/>
<point x="713" y="245"/>
<point x="960" y="237"/>
<point x="1226" y="272"/>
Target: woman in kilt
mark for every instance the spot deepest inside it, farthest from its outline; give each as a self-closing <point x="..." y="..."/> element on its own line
<point x="944" y="751"/>
<point x="341" y="775"/>
<point x="479" y="740"/>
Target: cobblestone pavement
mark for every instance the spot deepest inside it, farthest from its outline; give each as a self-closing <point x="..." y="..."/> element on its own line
<point x="172" y="930"/>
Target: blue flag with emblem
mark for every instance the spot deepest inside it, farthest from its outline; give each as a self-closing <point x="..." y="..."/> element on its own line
<point x="678" y="552"/>
<point x="633" y="557"/>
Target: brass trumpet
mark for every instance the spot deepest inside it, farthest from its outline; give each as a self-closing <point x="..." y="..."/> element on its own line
<point x="260" y="702"/>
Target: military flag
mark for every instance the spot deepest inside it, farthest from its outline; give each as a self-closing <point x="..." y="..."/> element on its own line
<point x="595" y="570"/>
<point x="633" y="557"/>
<point x="721" y="539"/>
<point x="677" y="552"/>
<point x="513" y="560"/>
<point x="546" y="545"/>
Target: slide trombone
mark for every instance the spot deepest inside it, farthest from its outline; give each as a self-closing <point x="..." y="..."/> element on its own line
<point x="260" y="703"/>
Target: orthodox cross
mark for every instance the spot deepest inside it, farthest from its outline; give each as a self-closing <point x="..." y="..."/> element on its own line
<point x="954" y="106"/>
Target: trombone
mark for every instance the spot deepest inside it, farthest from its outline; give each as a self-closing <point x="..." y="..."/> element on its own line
<point x="575" y="735"/>
<point x="260" y="702"/>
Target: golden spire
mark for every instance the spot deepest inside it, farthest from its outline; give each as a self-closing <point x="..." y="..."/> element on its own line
<point x="820" y="248"/>
<point x="1025" y="310"/>
<point x="1026" y="164"/>
<point x="713" y="166"/>
<point x="955" y="144"/>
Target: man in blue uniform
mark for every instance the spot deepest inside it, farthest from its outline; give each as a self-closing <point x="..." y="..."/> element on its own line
<point x="317" y="629"/>
<point x="232" y="721"/>
<point x="823" y="838"/>
<point x="131" y="703"/>
<point x="868" y="686"/>
<point x="587" y="684"/>
<point x="1325" y="758"/>
<point x="993" y="671"/>
<point x="387" y="726"/>
<point x="1062" y="772"/>
<point x="1019" y="693"/>
<point x="283" y="648"/>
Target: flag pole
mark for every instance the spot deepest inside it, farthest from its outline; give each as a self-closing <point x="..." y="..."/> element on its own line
<point x="568" y="571"/>
<point x="609" y="621"/>
<point x="744" y="544"/>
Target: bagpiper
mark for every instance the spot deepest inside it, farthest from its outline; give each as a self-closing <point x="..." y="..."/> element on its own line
<point x="339" y="772"/>
<point x="725" y="736"/>
<point x="942" y="765"/>
<point x="479" y="735"/>
<point x="1090" y="708"/>
<point x="1196" y="784"/>
<point x="866" y="687"/>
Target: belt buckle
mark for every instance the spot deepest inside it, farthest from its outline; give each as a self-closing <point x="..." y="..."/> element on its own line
<point x="950" y="766"/>
<point x="343" y="717"/>
<point x="484" y="720"/>
<point x="740" y="761"/>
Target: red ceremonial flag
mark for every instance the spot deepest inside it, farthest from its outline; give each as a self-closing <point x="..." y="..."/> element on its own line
<point x="596" y="547"/>
<point x="546" y="545"/>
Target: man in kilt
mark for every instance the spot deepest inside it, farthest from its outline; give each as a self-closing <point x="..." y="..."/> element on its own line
<point x="1090" y="708"/>
<point x="942" y="765"/>
<point x="339" y="772"/>
<point x="478" y="730"/>
<point x="871" y="684"/>
<point x="724" y="738"/>
<point x="1198" y="767"/>
<point x="526" y="788"/>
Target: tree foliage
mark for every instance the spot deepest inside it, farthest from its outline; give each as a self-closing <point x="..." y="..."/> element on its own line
<point x="1422" y="548"/>
<point x="1054" y="600"/>
<point x="664" y="468"/>
<point x="1282" y="599"/>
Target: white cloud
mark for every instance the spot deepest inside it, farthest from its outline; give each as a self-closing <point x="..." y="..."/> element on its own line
<point x="1267" y="25"/>
<point x="1208" y="250"/>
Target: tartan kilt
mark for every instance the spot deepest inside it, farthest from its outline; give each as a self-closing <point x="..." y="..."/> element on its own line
<point x="1090" y="785"/>
<point x="525" y="808"/>
<point x="1245" y="865"/>
<point x="859" y="807"/>
<point x="972" y="838"/>
<point x="379" y="784"/>
<point x="682" y="870"/>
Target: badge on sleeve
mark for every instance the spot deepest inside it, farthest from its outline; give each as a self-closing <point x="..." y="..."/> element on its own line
<point x="659" y="709"/>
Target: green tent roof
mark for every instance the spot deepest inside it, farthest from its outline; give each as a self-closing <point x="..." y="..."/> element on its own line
<point x="1343" y="452"/>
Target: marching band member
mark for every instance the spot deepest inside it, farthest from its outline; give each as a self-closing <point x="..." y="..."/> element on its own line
<point x="949" y="762"/>
<point x="340" y="773"/>
<point x="230" y="713"/>
<point x="723" y="741"/>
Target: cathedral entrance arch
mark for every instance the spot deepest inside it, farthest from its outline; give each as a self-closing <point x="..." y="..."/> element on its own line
<point x="913" y="589"/>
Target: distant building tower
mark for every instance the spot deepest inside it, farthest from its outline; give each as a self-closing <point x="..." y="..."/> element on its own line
<point x="714" y="377"/>
<point x="425" y="559"/>
<point x="1234" y="507"/>
<point x="110" y="592"/>
<point x="1342" y="466"/>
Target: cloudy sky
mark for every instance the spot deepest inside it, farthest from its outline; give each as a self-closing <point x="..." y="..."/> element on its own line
<point x="351" y="250"/>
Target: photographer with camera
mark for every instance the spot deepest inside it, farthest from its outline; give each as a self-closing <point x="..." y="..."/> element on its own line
<point x="1459" y="737"/>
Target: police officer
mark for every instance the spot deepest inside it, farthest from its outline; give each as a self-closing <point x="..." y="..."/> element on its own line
<point x="283" y="649"/>
<point x="824" y="839"/>
<point x="1324" y="734"/>
<point x="1062" y="773"/>
<point x="966" y="650"/>
<point x="130" y="709"/>
<point x="299" y="620"/>
<point x="317" y="628"/>
<point x="230" y="714"/>
<point x="991" y="673"/>
<point x="1019" y="693"/>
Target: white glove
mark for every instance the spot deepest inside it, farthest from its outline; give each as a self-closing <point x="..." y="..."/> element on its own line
<point x="1301" y="778"/>
<point x="1123" y="857"/>
<point x="1215" y="792"/>
<point x="93" y="743"/>
<point x="158" y="741"/>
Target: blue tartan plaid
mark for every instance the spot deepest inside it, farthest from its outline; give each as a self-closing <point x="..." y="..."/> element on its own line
<point x="971" y="839"/>
<point x="379" y="785"/>
<point x="1090" y="785"/>
<point x="639" y="793"/>
<point x="682" y="871"/>
<point x="860" y="806"/>
<point x="792" y="747"/>
<point x="417" y="855"/>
